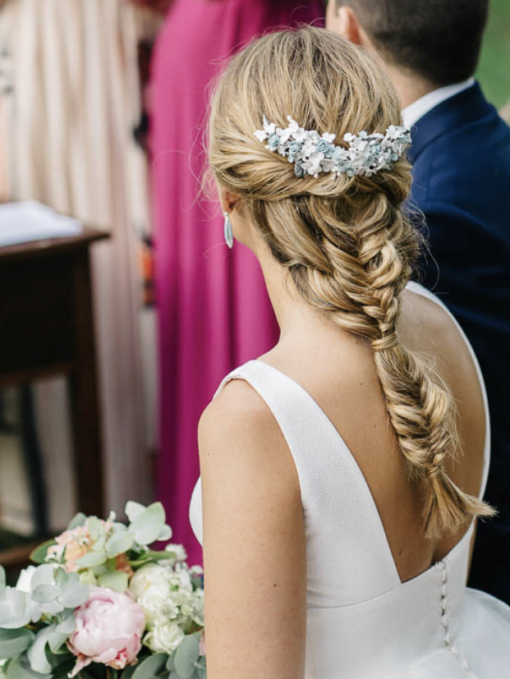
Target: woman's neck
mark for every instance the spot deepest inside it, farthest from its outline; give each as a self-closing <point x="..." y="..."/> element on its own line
<point x="300" y="324"/>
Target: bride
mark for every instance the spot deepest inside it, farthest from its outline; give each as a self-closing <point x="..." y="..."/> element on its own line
<point x="343" y="471"/>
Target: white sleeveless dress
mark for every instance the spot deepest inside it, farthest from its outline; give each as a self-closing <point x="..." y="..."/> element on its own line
<point x="362" y="621"/>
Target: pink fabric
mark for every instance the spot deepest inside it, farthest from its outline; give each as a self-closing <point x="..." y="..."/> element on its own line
<point x="214" y="312"/>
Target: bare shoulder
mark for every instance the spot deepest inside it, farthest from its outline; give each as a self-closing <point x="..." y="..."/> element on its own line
<point x="238" y="410"/>
<point x="238" y="431"/>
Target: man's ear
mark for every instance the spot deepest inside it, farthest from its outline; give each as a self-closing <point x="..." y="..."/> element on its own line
<point x="346" y="24"/>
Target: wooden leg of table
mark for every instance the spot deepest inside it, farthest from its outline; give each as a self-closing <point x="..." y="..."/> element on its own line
<point x="85" y="397"/>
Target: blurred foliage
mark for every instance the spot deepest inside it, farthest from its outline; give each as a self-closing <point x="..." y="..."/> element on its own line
<point x="494" y="72"/>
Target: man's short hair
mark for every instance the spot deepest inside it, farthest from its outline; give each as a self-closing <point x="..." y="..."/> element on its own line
<point x="439" y="40"/>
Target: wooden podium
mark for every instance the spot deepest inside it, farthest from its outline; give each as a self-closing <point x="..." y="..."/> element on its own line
<point x="47" y="330"/>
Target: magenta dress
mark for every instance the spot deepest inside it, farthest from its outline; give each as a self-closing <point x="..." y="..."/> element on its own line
<point x="213" y="308"/>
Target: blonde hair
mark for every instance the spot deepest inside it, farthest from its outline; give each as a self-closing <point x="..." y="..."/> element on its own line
<point x="345" y="241"/>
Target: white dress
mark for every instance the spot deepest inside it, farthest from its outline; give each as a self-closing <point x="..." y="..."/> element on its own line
<point x="362" y="621"/>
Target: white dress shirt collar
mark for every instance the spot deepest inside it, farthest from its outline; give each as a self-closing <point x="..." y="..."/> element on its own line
<point x="412" y="113"/>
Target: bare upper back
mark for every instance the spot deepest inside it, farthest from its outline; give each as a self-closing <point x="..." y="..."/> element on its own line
<point x="342" y="378"/>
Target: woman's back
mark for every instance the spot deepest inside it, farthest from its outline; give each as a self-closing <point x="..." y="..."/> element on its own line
<point x="372" y="578"/>
<point x="342" y="379"/>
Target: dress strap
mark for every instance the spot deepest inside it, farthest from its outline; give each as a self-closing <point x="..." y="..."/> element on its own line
<point x="342" y="521"/>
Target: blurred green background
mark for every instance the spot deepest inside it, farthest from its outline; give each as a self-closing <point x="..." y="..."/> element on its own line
<point x="494" y="70"/>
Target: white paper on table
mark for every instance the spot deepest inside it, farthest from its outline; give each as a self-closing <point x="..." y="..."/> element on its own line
<point x="28" y="220"/>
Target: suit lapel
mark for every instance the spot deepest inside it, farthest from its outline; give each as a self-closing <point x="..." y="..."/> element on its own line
<point x="462" y="109"/>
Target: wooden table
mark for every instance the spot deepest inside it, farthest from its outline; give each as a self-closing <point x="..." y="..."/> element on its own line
<point x="47" y="330"/>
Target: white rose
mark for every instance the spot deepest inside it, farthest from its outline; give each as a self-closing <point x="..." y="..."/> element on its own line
<point x="24" y="583"/>
<point x="147" y="577"/>
<point x="164" y="637"/>
<point x="158" y="605"/>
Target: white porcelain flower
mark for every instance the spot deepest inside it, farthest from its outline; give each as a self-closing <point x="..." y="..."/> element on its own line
<point x="312" y="153"/>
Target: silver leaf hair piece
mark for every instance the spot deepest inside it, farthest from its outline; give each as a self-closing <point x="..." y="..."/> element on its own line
<point x="313" y="154"/>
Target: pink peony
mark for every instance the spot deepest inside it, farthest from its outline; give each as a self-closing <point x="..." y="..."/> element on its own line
<point x="109" y="629"/>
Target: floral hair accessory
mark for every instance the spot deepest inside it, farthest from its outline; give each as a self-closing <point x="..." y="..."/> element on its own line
<point x="313" y="154"/>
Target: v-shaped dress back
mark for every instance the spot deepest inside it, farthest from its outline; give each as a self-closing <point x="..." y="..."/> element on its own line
<point x="362" y="621"/>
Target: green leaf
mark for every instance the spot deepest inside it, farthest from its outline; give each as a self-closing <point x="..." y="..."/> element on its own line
<point x="77" y="521"/>
<point x="2" y="582"/>
<point x="119" y="543"/>
<point x="43" y="575"/>
<point x="133" y="510"/>
<point x="14" y="642"/>
<point x="37" y="652"/>
<point x="19" y="668"/>
<point x="60" y="662"/>
<point x="118" y="581"/>
<point x="148" y="525"/>
<point x="74" y="595"/>
<point x="202" y="672"/>
<point x="165" y="534"/>
<point x="91" y="559"/>
<point x="170" y="665"/>
<point x="61" y="577"/>
<point x="186" y="655"/>
<point x="44" y="593"/>
<point x="39" y="554"/>
<point x="128" y="672"/>
<point x="151" y="667"/>
<point x="150" y="556"/>
<point x="96" y="528"/>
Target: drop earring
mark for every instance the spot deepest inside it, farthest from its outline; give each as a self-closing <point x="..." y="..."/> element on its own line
<point x="229" y="235"/>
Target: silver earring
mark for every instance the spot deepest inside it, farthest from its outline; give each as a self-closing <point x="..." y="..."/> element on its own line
<point x="229" y="236"/>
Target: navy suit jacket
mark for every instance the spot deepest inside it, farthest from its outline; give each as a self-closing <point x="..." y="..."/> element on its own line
<point x="461" y="182"/>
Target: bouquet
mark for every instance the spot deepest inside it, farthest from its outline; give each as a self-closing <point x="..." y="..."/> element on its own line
<point x="101" y="604"/>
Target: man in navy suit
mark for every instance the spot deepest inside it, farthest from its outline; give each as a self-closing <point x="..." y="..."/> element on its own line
<point x="461" y="183"/>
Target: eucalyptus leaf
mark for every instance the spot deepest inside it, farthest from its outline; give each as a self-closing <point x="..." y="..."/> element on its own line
<point x="77" y="521"/>
<point x="43" y="575"/>
<point x="14" y="611"/>
<point x="67" y="624"/>
<point x="37" y="652"/>
<point x="14" y="642"/>
<point x="202" y="672"/>
<point x="44" y="593"/>
<point x="128" y="672"/>
<point x="91" y="559"/>
<point x="19" y="668"/>
<point x="148" y="525"/>
<point x="186" y="655"/>
<point x="118" y="581"/>
<point x="60" y="663"/>
<point x="165" y="534"/>
<point x="151" y="667"/>
<point x="61" y="577"/>
<point x="170" y="664"/>
<point x="2" y="582"/>
<point x="133" y="510"/>
<point x="57" y="639"/>
<point x="74" y="595"/>
<point x="119" y="543"/>
<point x="39" y="554"/>
<point x="96" y="528"/>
